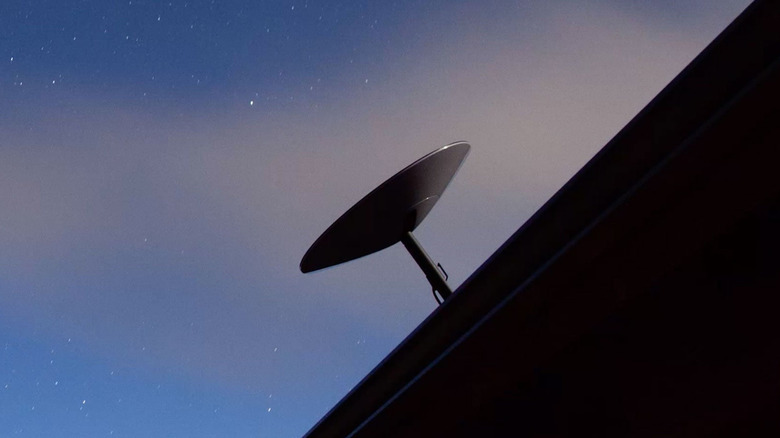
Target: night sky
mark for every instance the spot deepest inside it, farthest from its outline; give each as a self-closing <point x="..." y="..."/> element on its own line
<point x="164" y="165"/>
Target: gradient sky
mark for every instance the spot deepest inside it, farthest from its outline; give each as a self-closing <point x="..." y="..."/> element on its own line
<point x="164" y="165"/>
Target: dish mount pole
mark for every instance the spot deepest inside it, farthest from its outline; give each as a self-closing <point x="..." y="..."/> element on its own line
<point x="432" y="273"/>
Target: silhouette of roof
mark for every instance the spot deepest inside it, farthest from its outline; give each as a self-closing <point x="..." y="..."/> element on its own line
<point x="641" y="298"/>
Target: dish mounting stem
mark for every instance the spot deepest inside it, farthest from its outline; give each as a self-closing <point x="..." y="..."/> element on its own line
<point x="425" y="263"/>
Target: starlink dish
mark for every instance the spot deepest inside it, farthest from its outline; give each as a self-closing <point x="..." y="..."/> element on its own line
<point x="389" y="214"/>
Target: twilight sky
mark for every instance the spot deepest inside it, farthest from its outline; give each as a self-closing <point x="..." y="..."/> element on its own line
<point x="164" y="165"/>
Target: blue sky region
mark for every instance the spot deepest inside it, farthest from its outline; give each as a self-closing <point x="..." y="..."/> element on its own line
<point x="164" y="165"/>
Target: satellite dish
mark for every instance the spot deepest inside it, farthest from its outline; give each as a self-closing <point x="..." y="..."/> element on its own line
<point x="389" y="214"/>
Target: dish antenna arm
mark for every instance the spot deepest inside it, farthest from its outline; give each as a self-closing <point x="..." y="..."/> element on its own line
<point x="434" y="276"/>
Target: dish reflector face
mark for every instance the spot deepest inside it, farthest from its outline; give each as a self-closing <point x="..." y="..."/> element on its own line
<point x="382" y="217"/>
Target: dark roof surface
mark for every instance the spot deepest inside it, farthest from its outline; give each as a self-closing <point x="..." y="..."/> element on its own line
<point x="636" y="299"/>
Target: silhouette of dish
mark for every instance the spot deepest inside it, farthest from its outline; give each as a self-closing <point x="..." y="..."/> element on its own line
<point x="385" y="215"/>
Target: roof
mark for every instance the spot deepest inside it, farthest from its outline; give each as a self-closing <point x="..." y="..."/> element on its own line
<point x="598" y="311"/>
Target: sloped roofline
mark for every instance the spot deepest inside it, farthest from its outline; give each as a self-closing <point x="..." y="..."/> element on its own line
<point x="743" y="52"/>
